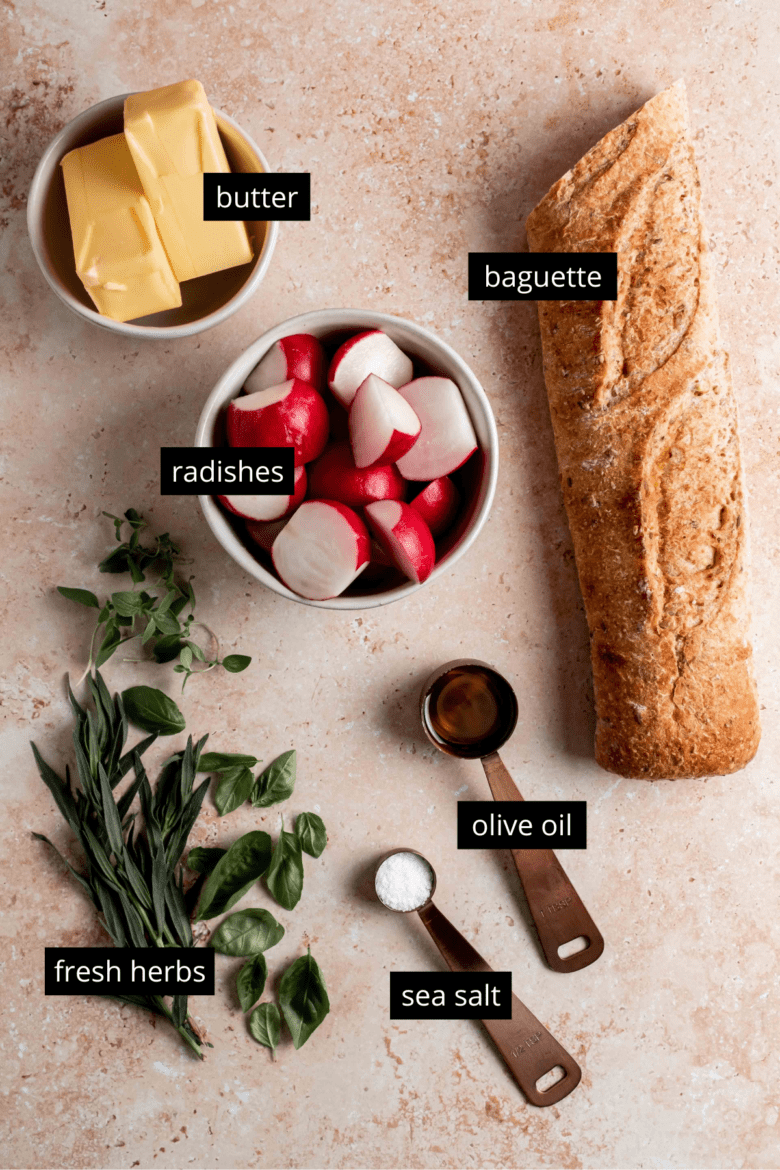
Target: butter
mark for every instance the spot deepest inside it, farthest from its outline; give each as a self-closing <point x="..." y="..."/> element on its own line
<point x="120" y="258"/>
<point x="173" y="137"/>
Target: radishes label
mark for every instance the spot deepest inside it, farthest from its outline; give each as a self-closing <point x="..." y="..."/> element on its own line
<point x="233" y="471"/>
<point x="256" y="197"/>
<point x="543" y="276"/>
<point x="528" y="824"/>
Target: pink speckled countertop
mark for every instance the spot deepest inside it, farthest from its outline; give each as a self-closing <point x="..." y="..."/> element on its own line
<point x="429" y="131"/>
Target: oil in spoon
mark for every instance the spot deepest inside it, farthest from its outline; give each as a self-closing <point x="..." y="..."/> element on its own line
<point x="469" y="711"/>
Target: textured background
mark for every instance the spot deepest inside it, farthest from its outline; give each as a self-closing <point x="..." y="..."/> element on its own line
<point x="427" y="132"/>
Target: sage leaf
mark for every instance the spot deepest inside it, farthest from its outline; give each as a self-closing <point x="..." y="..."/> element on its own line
<point x="285" y="874"/>
<point x="310" y="831"/>
<point x="250" y="981"/>
<point x="127" y="603"/>
<point x="303" y="998"/>
<point x="82" y="596"/>
<point x="109" y="644"/>
<point x="151" y="710"/>
<point x="222" y="761"/>
<point x="277" y="782"/>
<point x="245" y="861"/>
<point x="202" y="859"/>
<point x="235" y="787"/>
<point x="247" y="932"/>
<point x="235" y="663"/>
<point x="265" y="1024"/>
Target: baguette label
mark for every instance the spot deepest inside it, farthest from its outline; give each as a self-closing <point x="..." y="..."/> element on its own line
<point x="543" y="276"/>
<point x="529" y="824"/>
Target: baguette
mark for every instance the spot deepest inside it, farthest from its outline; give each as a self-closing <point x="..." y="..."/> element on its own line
<point x="646" y="435"/>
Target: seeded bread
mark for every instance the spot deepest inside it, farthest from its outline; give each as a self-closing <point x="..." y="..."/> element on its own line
<point x="646" y="433"/>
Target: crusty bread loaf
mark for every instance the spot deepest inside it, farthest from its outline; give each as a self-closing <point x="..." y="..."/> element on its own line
<point x="646" y="434"/>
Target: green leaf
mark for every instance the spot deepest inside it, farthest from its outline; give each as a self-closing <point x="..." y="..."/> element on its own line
<point x="265" y="1024"/>
<point x="202" y="859"/>
<point x="277" y="782"/>
<point x="285" y="874"/>
<point x="250" y="982"/>
<point x="224" y="761"/>
<point x="186" y="657"/>
<point x="166" y="623"/>
<point x="117" y="561"/>
<point x="127" y="603"/>
<point x="110" y="642"/>
<point x="245" y="861"/>
<point x="234" y="789"/>
<point x="151" y="710"/>
<point x="303" y="998"/>
<point x="310" y="831"/>
<point x="235" y="663"/>
<point x="247" y="932"/>
<point x="167" y="648"/>
<point x="82" y="596"/>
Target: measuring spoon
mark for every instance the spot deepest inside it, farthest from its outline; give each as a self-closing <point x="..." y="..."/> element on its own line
<point x="529" y="1050"/>
<point x="469" y="710"/>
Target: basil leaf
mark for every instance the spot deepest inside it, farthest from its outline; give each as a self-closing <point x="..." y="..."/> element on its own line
<point x="127" y="604"/>
<point x="285" y="874"/>
<point x="151" y="710"/>
<point x="222" y="762"/>
<point x="234" y="788"/>
<point x="303" y="998"/>
<point x="277" y="782"/>
<point x="82" y="596"/>
<point x="250" y="981"/>
<point x="248" y="932"/>
<point x="235" y="663"/>
<point x="245" y="861"/>
<point x="310" y="831"/>
<point x="265" y="1025"/>
<point x="202" y="859"/>
<point x="167" y="648"/>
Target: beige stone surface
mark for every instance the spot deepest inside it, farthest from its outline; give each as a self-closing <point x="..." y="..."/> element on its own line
<point x="429" y="131"/>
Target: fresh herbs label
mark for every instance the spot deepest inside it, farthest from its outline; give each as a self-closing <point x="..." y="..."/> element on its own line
<point x="303" y="998"/>
<point x="285" y="873"/>
<point x="245" y="862"/>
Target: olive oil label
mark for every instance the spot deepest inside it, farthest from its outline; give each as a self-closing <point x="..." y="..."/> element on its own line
<point x="522" y="824"/>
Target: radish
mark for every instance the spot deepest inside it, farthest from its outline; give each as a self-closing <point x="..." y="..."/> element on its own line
<point x="298" y="356"/>
<point x="438" y="504"/>
<point x="267" y="507"/>
<point x="382" y="424"/>
<point x="290" y="415"/>
<point x="321" y="550"/>
<point x="404" y="536"/>
<point x="447" y="437"/>
<point x="367" y="353"/>
<point x="335" y="477"/>
<point x="264" y="533"/>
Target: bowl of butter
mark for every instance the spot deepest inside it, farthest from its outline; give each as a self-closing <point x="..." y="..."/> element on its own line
<point x="116" y="220"/>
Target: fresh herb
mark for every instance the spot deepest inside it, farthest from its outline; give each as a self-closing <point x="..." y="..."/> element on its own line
<point x="247" y="932"/>
<point x="202" y="859"/>
<point x="303" y="998"/>
<point x="151" y="710"/>
<point x="250" y="982"/>
<point x="131" y="874"/>
<point x="154" y="618"/>
<point x="233" y="790"/>
<point x="276" y="783"/>
<point x="310" y="831"/>
<point x="285" y="874"/>
<point x="224" y="761"/>
<point x="265" y="1024"/>
<point x="245" y="861"/>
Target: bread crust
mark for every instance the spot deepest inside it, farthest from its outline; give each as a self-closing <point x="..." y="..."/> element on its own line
<point x="646" y="434"/>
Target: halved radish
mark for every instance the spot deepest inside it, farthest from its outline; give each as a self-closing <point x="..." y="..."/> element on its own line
<point x="372" y="352"/>
<point x="405" y="536"/>
<point x="290" y="415"/>
<point x="382" y="424"/>
<point x="264" y="533"/>
<point x="335" y="477"/>
<point x="447" y="437"/>
<point x="298" y="356"/>
<point x="438" y="504"/>
<point x="267" y="507"/>
<point x="321" y="550"/>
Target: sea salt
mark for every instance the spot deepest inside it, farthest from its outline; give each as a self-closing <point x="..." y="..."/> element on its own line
<point x="404" y="881"/>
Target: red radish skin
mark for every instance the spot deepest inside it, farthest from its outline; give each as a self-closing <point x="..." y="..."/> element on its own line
<point x="265" y="533"/>
<point x="298" y="356"/>
<point x="372" y="352"/>
<point x="292" y="414"/>
<point x="267" y="507"/>
<point x="321" y="550"/>
<point x="447" y="437"/>
<point x="404" y="536"/>
<point x="382" y="424"/>
<point x="335" y="477"/>
<point x="438" y="504"/>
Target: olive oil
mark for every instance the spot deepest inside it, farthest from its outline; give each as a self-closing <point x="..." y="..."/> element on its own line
<point x="471" y="711"/>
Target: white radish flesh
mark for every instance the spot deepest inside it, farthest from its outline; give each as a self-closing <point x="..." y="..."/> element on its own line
<point x="447" y="437"/>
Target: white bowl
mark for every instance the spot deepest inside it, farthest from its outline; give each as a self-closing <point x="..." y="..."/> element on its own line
<point x="206" y="300"/>
<point x="332" y="326"/>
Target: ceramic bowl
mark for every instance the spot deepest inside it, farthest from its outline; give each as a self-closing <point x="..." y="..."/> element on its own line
<point x="431" y="355"/>
<point x="207" y="300"/>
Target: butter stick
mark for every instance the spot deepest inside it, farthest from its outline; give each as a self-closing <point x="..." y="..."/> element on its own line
<point x="173" y="137"/>
<point x="120" y="258"/>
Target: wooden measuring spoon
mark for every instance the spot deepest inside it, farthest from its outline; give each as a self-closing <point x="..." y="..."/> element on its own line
<point x="469" y="710"/>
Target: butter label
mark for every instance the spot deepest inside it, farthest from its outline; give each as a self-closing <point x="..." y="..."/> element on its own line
<point x="256" y="197"/>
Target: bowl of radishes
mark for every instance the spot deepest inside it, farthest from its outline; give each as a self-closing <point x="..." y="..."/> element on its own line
<point x="396" y="457"/>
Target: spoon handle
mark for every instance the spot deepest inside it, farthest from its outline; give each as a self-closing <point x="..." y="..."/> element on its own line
<point x="557" y="909"/>
<point x="529" y="1050"/>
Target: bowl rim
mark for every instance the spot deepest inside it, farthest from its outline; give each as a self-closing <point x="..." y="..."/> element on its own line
<point x="333" y="320"/>
<point x="50" y="159"/>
